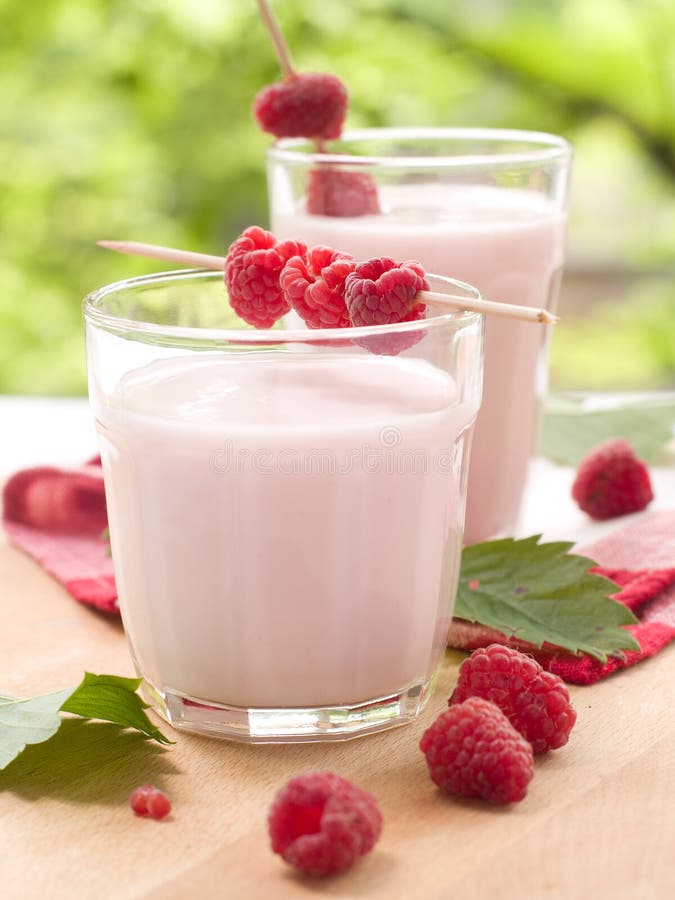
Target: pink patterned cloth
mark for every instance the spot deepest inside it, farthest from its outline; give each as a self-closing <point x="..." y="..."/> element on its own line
<point x="640" y="558"/>
<point x="58" y="517"/>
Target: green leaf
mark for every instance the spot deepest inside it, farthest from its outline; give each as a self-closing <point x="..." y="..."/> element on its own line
<point x="25" y="722"/>
<point x="570" y="431"/>
<point x="541" y="593"/>
<point x="112" y="699"/>
<point x="105" y="697"/>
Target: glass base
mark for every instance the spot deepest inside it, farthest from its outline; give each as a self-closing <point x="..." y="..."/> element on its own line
<point x="294" y="725"/>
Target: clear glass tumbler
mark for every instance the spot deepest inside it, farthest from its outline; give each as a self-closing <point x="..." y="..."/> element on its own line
<point x="285" y="506"/>
<point x="486" y="206"/>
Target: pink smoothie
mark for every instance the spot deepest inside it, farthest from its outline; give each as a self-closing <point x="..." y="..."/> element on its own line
<point x="510" y="245"/>
<point x="286" y="530"/>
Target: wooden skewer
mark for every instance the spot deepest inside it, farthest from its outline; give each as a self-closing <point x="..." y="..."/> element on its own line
<point x="278" y="40"/>
<point x="431" y="298"/>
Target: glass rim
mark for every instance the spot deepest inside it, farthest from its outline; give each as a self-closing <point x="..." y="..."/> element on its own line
<point x="545" y="147"/>
<point x="122" y="325"/>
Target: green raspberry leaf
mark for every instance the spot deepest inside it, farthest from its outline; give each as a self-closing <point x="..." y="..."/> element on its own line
<point x="105" y="697"/>
<point x="542" y="593"/>
<point x="112" y="699"/>
<point x="25" y="722"/>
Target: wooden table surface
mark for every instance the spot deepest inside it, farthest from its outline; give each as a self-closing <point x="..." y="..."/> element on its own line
<point x="599" y="820"/>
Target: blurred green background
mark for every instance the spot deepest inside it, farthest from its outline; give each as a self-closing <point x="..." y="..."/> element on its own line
<point x="131" y="119"/>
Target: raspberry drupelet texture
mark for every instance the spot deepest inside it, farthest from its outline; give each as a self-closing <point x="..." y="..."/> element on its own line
<point x="314" y="287"/>
<point x="252" y="269"/>
<point x="611" y="481"/>
<point x="472" y="750"/>
<point x="382" y="292"/>
<point x="335" y="192"/>
<point x="322" y="824"/>
<point x="309" y="104"/>
<point x="147" y="800"/>
<point x="535" y="702"/>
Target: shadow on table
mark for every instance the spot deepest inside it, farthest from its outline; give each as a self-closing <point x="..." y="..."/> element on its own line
<point x="87" y="762"/>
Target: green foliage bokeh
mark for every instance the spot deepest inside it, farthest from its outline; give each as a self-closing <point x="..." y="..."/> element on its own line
<point x="131" y="119"/>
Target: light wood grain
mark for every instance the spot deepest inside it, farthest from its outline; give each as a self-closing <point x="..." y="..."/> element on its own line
<point x="598" y="821"/>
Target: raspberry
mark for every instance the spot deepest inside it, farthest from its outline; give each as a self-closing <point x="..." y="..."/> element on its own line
<point x="310" y="105"/>
<point x="252" y="269"/>
<point x="472" y="750"/>
<point x="612" y="481"/>
<point x="382" y="292"/>
<point x="534" y="701"/>
<point x="314" y="287"/>
<point x="321" y="823"/>
<point x="150" y="801"/>
<point x="334" y="192"/>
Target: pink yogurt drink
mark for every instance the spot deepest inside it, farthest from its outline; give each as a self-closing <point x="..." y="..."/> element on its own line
<point x="285" y="519"/>
<point x="506" y="239"/>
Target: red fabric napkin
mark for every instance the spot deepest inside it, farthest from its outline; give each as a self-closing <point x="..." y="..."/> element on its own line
<point x="58" y="517"/>
<point x="640" y="558"/>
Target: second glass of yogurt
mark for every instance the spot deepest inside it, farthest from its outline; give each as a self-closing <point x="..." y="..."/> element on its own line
<point x="485" y="206"/>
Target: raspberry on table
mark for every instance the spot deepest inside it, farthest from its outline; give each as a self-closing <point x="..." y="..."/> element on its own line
<point x="535" y="702"/>
<point x="472" y="750"/>
<point x="309" y="104"/>
<point x="314" y="287"/>
<point x="340" y="193"/>
<point x="252" y="269"/>
<point x="611" y="481"/>
<point x="147" y="800"/>
<point x="322" y="824"/>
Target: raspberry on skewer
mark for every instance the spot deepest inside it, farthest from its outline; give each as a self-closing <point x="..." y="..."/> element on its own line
<point x="335" y="192"/>
<point x="312" y="105"/>
<point x="252" y="269"/>
<point x="314" y="287"/>
<point x="443" y="300"/>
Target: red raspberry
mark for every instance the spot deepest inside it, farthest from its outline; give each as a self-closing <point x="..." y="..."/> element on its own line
<point x="382" y="292"/>
<point x="472" y="750"/>
<point x="334" y="192"/>
<point x="150" y="801"/>
<point x="321" y="823"/>
<point x="612" y="481"/>
<point x="314" y="286"/>
<point x="252" y="269"/>
<point x="310" y="105"/>
<point x="534" y="701"/>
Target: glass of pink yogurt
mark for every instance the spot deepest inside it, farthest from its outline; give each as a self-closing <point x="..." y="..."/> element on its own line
<point x="286" y="506"/>
<point x="486" y="206"/>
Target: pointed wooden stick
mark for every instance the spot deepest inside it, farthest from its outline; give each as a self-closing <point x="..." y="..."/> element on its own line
<point x="280" y="46"/>
<point x="488" y="307"/>
<point x="168" y="254"/>
<point x="431" y="298"/>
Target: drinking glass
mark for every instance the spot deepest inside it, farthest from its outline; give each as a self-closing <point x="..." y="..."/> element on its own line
<point x="285" y="506"/>
<point x="486" y="206"/>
